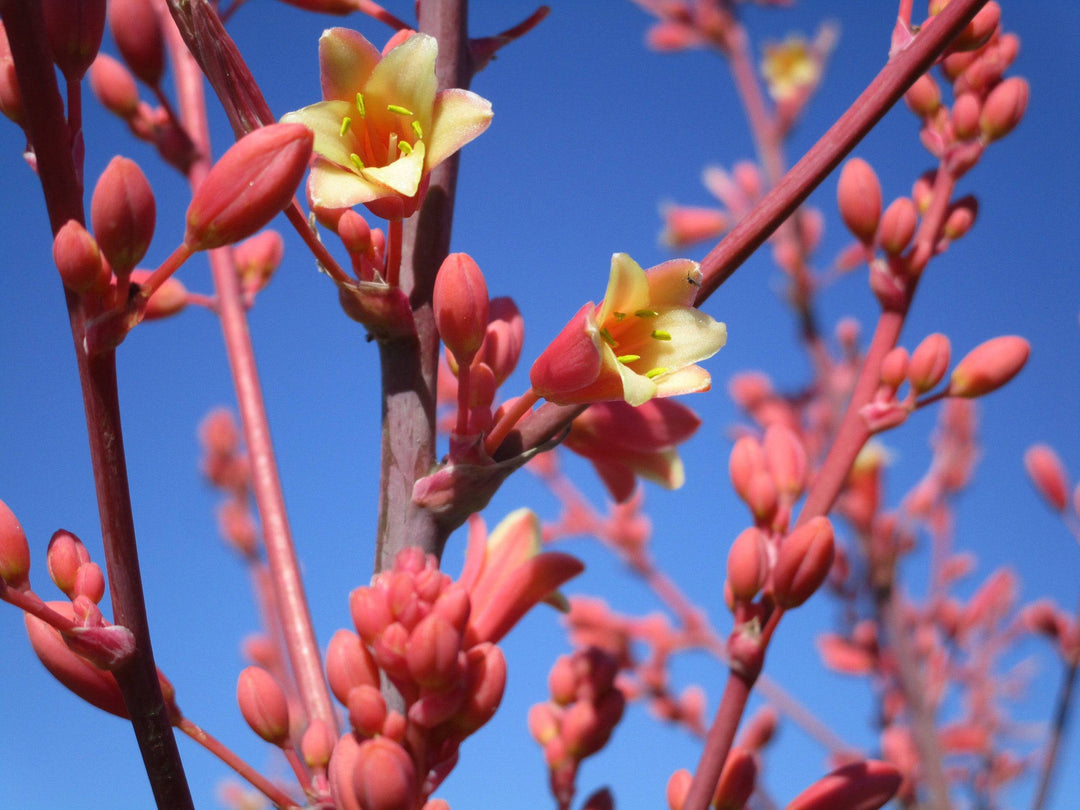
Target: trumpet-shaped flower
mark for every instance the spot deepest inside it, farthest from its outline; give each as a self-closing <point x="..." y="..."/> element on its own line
<point x="642" y="341"/>
<point x="382" y="125"/>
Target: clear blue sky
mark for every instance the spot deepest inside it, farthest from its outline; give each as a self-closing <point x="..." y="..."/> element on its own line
<point x="591" y="133"/>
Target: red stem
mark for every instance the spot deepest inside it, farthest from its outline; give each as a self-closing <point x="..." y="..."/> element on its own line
<point x="393" y="253"/>
<point x="513" y="415"/>
<point x="718" y="742"/>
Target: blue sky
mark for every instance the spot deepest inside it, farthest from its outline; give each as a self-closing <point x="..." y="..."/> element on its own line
<point x="591" y="133"/>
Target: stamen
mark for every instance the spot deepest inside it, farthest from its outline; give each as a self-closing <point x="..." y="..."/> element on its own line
<point x="418" y="130"/>
<point x="397" y="108"/>
<point x="608" y="339"/>
<point x="404" y="148"/>
<point x="646" y="313"/>
<point x="653" y="373"/>
<point x="619" y="315"/>
<point x="355" y="160"/>
<point x="660" y="334"/>
<point x="627" y="359"/>
<point x="360" y="104"/>
<point x="344" y="126"/>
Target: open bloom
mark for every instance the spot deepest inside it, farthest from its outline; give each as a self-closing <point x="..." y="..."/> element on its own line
<point x="382" y="126"/>
<point x="641" y="342"/>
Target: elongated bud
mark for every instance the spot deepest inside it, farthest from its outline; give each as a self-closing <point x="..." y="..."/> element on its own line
<point x="137" y="31"/>
<point x="349" y="664"/>
<point x="1047" y="473"/>
<point x="257" y="258"/>
<point x="894" y="367"/>
<point x="858" y="195"/>
<point x="1004" y="108"/>
<point x="747" y="565"/>
<point x="687" y="225"/>
<point x="678" y="787"/>
<point x="74" y="29"/>
<point x="898" y="225"/>
<point x="114" y="86"/>
<point x="317" y="745"/>
<point x="989" y="366"/>
<point x="924" y="97"/>
<point x="504" y="338"/>
<point x="63" y="557"/>
<point x="168" y="299"/>
<point x="485" y="675"/>
<point x="123" y="214"/>
<point x="736" y="780"/>
<point x="785" y="458"/>
<point x="89" y="582"/>
<point x="961" y="217"/>
<point x="460" y="302"/>
<point x="263" y="704"/>
<point x="432" y="654"/>
<point x="929" y="362"/>
<point x="978" y="32"/>
<point x="14" y="550"/>
<point x="367" y="710"/>
<point x="384" y="777"/>
<point x="860" y="786"/>
<point x="251" y="183"/>
<point x="11" y="103"/>
<point x="77" y="258"/>
<point x="803" y="562"/>
<point x="746" y="460"/>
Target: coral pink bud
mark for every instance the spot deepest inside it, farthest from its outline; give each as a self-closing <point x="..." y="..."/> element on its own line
<point x="747" y="565"/>
<point x="123" y="214"/>
<point x="432" y="654"/>
<point x="367" y="710"/>
<point x="666" y="36"/>
<point x="340" y="771"/>
<point x="747" y="459"/>
<point x="923" y="98"/>
<point x="503" y="339"/>
<point x="114" y="86"/>
<point x="978" y="32"/>
<point x="678" y="787"/>
<point x="485" y="673"/>
<point x="1004" y="108"/>
<point x="63" y="557"/>
<point x="785" y="458"/>
<point x="859" y="786"/>
<point x="257" y="258"/>
<point x="237" y="526"/>
<point x="1044" y="618"/>
<point x="349" y="664"/>
<point x="89" y="582"/>
<point x="687" y="225"/>
<point x="858" y="195"/>
<point x="74" y="29"/>
<point x="894" y="367"/>
<point x="929" y="362"/>
<point x="736" y="780"/>
<point x="251" y="183"/>
<point x="219" y="433"/>
<point x="750" y="389"/>
<point x="989" y="366"/>
<point x="135" y="27"/>
<point x="78" y="259"/>
<point x="317" y="745"/>
<point x="760" y="729"/>
<point x="14" y="550"/>
<point x="961" y="217"/>
<point x="898" y="225"/>
<point x="803" y="562"/>
<point x="389" y="651"/>
<point x="355" y="234"/>
<point x="842" y="656"/>
<point x="543" y="723"/>
<point x="434" y="804"/>
<point x="965" y="116"/>
<point x="1047" y="473"/>
<point x="460" y="303"/>
<point x="264" y="705"/>
<point x="370" y="612"/>
<point x="453" y="605"/>
<point x="384" y="777"/>
<point x="11" y="103"/>
<point x="762" y="497"/>
<point x="562" y="681"/>
<point x="168" y="299"/>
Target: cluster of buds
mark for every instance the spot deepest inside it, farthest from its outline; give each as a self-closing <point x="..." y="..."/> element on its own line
<point x="585" y="706"/>
<point x="737" y="191"/>
<point x="227" y="468"/>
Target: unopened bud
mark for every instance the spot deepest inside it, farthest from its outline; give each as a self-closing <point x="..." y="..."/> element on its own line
<point x="63" y="557"/>
<point x="485" y="674"/>
<point x="349" y="664"/>
<point x="89" y="582"/>
<point x="687" y="225"/>
<point x="737" y="780"/>
<point x="384" y="777"/>
<point x="123" y="214"/>
<point x="803" y="562"/>
<point x="367" y="710"/>
<point x="965" y="116"/>
<point x="747" y="565"/>
<point x="14" y="550"/>
<point x="77" y="258"/>
<point x="898" y="225"/>
<point x="989" y="366"/>
<point x="924" y="97"/>
<point x="860" y="786"/>
<point x="894" y="368"/>
<point x="747" y="459"/>
<point x="678" y="787"/>
<point x="503" y="338"/>
<point x="961" y="217"/>
<point x="257" y="258"/>
<point x="137" y="31"/>
<point x="1047" y="473"/>
<point x="317" y="745"/>
<point x="114" y="86"/>
<point x="460" y="302"/>
<point x="251" y="183"/>
<point x="11" y="103"/>
<point x="929" y="362"/>
<point x="858" y="195"/>
<point x="785" y="458"/>
<point x="978" y="32"/>
<point x="264" y="705"/>
<point x="1004" y="108"/>
<point x="168" y="299"/>
<point x="74" y="29"/>
<point x="432" y="654"/>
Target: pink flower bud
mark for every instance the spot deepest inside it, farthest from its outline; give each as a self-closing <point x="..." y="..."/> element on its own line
<point x="89" y="582"/>
<point x="989" y="366"/>
<point x="978" y="32"/>
<point x="737" y="780"/>
<point x="432" y="654"/>
<point x="667" y="36"/>
<point x="1004" y="108"/>
<point x="367" y="710"/>
<point x="74" y="29"/>
<point x="370" y="612"/>
<point x="543" y="723"/>
<point x="858" y="195"/>
<point x="803" y="562"/>
<point x="11" y="103"/>
<point x="785" y="458"/>
<point x="898" y="225"/>
<point x="678" y="787"/>
<point x="894" y="367"/>
<point x="965" y="116"/>
<point x="687" y="225"/>
<point x="929" y="362"/>
<point x="14" y="550"/>
<point x="78" y="259"/>
<point x="63" y="557"/>
<point x="759" y="730"/>
<point x="888" y="287"/>
<point x="747" y="565"/>
<point x="168" y="299"/>
<point x="840" y="655"/>
<point x="762" y="497"/>
<point x="859" y="786"/>
<point x="384" y="777"/>
<point x="923" y="98"/>
<point x="485" y="673"/>
<point x="257" y="258"/>
<point x="460" y="303"/>
<point x="237" y="526"/>
<point x="961" y="217"/>
<point x="349" y="664"/>
<point x="317" y="745"/>
<point x="562" y="681"/>
<point x="747" y="459"/>
<point x="114" y="86"/>
<point x="1047" y="473"/>
<point x="251" y="183"/>
<point x="123" y="214"/>
<point x="264" y="705"/>
<point x="389" y="651"/>
<point x="137" y="32"/>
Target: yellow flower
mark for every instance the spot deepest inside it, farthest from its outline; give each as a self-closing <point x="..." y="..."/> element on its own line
<point x="789" y="67"/>
<point x="642" y="341"/>
<point x="382" y="125"/>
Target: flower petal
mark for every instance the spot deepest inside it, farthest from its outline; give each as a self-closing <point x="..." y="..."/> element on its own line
<point x="459" y="116"/>
<point x="689" y="380"/>
<point x="333" y="186"/>
<point x="674" y="282"/>
<point x="628" y="288"/>
<point x="324" y="119"/>
<point x="405" y="77"/>
<point x="693" y="335"/>
<point x="637" y="388"/>
<point x="346" y="60"/>
<point x="401" y="176"/>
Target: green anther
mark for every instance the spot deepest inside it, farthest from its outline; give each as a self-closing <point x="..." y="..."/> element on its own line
<point x="397" y="108"/>
<point x="653" y="373"/>
<point x="360" y="104"/>
<point x="619" y="315"/>
<point x="627" y="359"/>
<point x="608" y="339"/>
<point x="344" y="126"/>
<point x="646" y="313"/>
<point x="404" y="148"/>
<point x="355" y="160"/>
<point x="418" y="130"/>
<point x="660" y="334"/>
